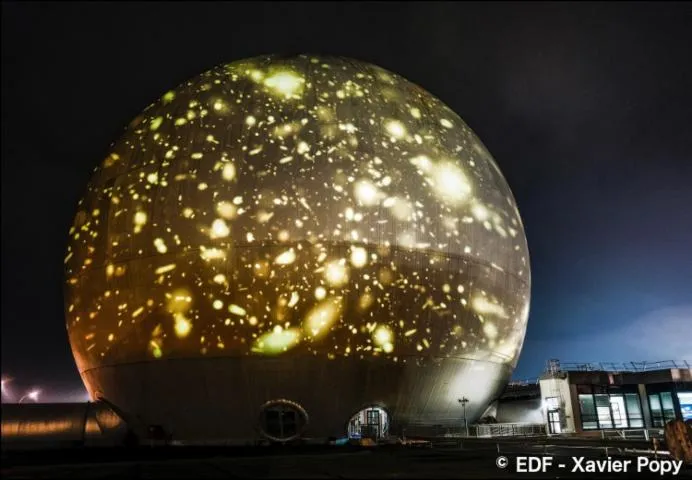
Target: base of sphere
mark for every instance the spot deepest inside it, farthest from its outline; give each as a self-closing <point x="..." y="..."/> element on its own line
<point x="217" y="399"/>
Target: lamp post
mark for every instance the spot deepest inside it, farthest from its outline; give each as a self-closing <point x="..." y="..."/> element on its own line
<point x="464" y="401"/>
<point x="32" y="395"/>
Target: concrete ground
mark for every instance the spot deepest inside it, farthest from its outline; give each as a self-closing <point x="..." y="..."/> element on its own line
<point x="474" y="461"/>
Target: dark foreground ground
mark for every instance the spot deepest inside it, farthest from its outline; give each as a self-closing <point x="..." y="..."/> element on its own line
<point x="471" y="460"/>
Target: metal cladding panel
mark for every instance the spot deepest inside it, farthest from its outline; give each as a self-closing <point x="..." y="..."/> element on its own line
<point x="292" y="207"/>
<point x="59" y="424"/>
<point x="221" y="398"/>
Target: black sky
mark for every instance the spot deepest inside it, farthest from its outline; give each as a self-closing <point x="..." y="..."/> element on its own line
<point x="586" y="107"/>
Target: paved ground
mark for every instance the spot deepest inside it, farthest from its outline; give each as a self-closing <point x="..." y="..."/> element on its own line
<point x="476" y="462"/>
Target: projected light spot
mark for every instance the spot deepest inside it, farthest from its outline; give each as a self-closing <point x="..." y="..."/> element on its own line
<point x="359" y="257"/>
<point x="277" y="341"/>
<point x="285" y="83"/>
<point x="336" y="273"/>
<point x="366" y="193"/>
<point x="286" y="258"/>
<point x="450" y="184"/>
<point x="322" y="316"/>
<point x="182" y="326"/>
<point x="395" y="129"/>
<point x="228" y="172"/>
<point x="219" y="229"/>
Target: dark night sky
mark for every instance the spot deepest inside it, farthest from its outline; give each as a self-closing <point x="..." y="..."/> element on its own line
<point x="587" y="108"/>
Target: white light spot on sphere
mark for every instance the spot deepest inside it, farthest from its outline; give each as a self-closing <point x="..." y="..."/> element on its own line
<point x="286" y="258"/>
<point x="490" y="330"/>
<point x="320" y="293"/>
<point x="219" y="229"/>
<point x="140" y="218"/>
<point x="366" y="193"/>
<point x="182" y="326"/>
<point x="286" y="83"/>
<point x="228" y="172"/>
<point x="336" y="273"/>
<point x="160" y="245"/>
<point x="226" y="210"/>
<point x="359" y="257"/>
<point x="450" y="183"/>
<point x="396" y="129"/>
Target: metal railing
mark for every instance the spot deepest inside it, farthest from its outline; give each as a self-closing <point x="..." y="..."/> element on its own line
<point x="633" y="434"/>
<point x="489" y="430"/>
<point x="522" y="383"/>
<point x="624" y="366"/>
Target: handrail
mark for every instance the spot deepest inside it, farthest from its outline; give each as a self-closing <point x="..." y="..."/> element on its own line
<point x="644" y="366"/>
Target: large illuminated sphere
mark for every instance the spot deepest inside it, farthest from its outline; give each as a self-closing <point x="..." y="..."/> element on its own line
<point x="317" y="232"/>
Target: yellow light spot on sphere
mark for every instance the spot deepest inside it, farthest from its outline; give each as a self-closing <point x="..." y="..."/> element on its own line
<point x="294" y="299"/>
<point x="155" y="349"/>
<point x="212" y="254"/>
<point x="336" y="273"/>
<point x="140" y="218"/>
<point x="484" y="307"/>
<point x="450" y="183"/>
<point x="383" y="338"/>
<point x="285" y="82"/>
<point x="156" y="123"/>
<point x="366" y="193"/>
<point x="168" y="97"/>
<point x="219" y="229"/>
<point x="395" y="128"/>
<point x="179" y="301"/>
<point x="226" y="209"/>
<point x="237" y="310"/>
<point x="490" y="330"/>
<point x="320" y="293"/>
<point x="219" y="278"/>
<point x="277" y="341"/>
<point x="182" y="326"/>
<point x="286" y="258"/>
<point x="382" y="335"/>
<point x="228" y="172"/>
<point x="322" y="316"/>
<point x="165" y="269"/>
<point x="160" y="245"/>
<point x="218" y="304"/>
<point x="359" y="257"/>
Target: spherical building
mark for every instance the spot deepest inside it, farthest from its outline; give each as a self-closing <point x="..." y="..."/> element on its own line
<point x="288" y="246"/>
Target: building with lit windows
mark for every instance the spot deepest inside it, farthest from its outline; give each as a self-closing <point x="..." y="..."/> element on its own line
<point x="582" y="398"/>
